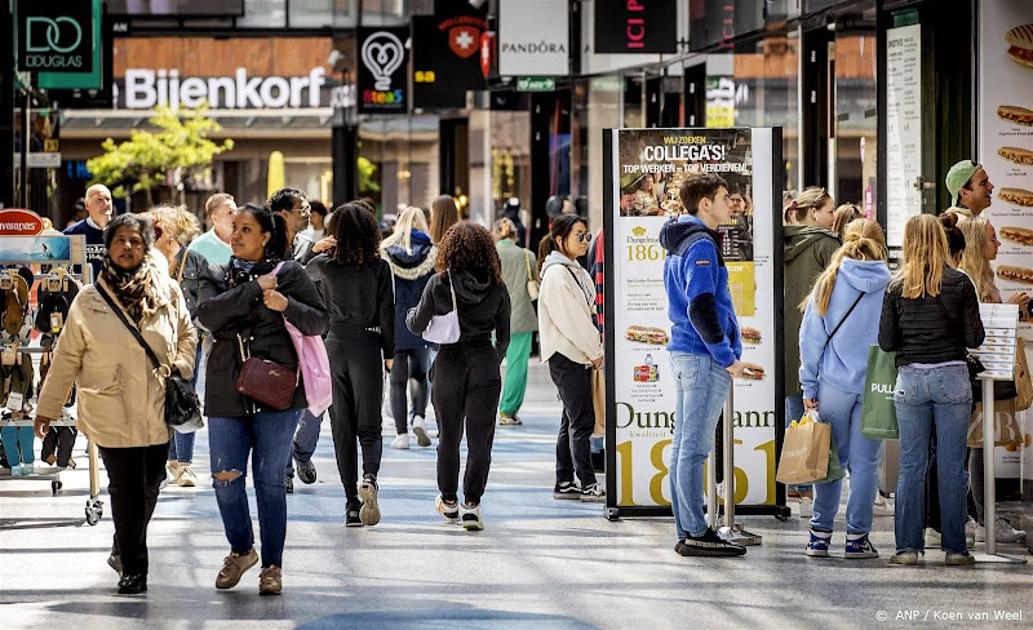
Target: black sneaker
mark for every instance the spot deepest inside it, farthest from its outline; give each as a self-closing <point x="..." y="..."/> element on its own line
<point x="306" y="471"/>
<point x="368" y="489"/>
<point x="710" y="545"/>
<point x="678" y="546"/>
<point x="566" y="490"/>
<point x="132" y="585"/>
<point x="351" y="515"/>
<point x="290" y="485"/>
<point x="593" y="494"/>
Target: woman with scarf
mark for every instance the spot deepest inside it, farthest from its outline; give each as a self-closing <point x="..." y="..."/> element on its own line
<point x="121" y="394"/>
<point x="244" y="305"/>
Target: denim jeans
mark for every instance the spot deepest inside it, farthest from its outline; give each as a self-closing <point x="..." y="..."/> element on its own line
<point x="702" y="387"/>
<point x="305" y="438"/>
<point x="181" y="446"/>
<point x="266" y="437"/>
<point x="933" y="399"/>
<point x="857" y="454"/>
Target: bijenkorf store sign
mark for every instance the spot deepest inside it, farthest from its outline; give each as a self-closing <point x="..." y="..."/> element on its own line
<point x="533" y="37"/>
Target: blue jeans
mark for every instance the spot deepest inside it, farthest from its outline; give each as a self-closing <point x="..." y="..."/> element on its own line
<point x="930" y="399"/>
<point x="18" y="445"/>
<point x="267" y="437"/>
<point x="181" y="446"/>
<point x="305" y="438"/>
<point x="702" y="387"/>
<point x="857" y="454"/>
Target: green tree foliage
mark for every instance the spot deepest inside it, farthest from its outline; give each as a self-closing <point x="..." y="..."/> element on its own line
<point x="368" y="183"/>
<point x="178" y="148"/>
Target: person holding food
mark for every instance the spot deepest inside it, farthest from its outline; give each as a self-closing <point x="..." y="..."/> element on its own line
<point x="571" y="345"/>
<point x="706" y="352"/>
<point x="970" y="189"/>
<point x="840" y="322"/>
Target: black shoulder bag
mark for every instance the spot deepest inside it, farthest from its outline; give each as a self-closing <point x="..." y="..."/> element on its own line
<point x="182" y="408"/>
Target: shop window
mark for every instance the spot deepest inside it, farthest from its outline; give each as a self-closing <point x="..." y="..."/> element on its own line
<point x="263" y="14"/>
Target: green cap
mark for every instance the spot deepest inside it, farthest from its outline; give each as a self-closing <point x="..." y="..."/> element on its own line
<point x="958" y="176"/>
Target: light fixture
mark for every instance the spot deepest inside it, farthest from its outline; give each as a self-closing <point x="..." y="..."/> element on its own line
<point x="477" y="4"/>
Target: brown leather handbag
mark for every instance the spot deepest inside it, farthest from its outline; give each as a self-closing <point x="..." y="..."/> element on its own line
<point x="266" y="382"/>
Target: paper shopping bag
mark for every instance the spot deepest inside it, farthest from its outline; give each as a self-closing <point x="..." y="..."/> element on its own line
<point x="805" y="453"/>
<point x="878" y="413"/>
<point x="599" y="402"/>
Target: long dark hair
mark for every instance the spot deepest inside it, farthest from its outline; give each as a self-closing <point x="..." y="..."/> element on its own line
<point x="357" y="234"/>
<point x="274" y="225"/>
<point x="561" y="228"/>
<point x="469" y="247"/>
<point x="444" y="214"/>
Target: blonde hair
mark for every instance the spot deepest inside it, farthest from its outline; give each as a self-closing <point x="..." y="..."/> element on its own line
<point x="176" y="221"/>
<point x="925" y="255"/>
<point x="412" y="218"/>
<point x="504" y="228"/>
<point x="973" y="259"/>
<point x="812" y="197"/>
<point x="843" y="215"/>
<point x="863" y="239"/>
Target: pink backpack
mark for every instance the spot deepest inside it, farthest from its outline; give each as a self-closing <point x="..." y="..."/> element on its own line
<point x="314" y="365"/>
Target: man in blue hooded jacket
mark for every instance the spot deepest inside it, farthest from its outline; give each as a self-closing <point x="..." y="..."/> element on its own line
<point x="705" y="353"/>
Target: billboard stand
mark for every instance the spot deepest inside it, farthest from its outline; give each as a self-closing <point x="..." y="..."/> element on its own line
<point x="732" y="531"/>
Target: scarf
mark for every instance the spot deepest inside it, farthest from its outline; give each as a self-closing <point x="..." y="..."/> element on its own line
<point x="133" y="289"/>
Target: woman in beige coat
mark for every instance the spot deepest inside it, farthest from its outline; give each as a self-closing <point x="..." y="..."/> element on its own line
<point x="121" y="397"/>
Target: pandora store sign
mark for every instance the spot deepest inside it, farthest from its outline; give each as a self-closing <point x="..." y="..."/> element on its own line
<point x="145" y="88"/>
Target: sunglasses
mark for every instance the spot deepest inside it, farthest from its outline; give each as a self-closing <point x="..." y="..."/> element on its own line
<point x="585" y="237"/>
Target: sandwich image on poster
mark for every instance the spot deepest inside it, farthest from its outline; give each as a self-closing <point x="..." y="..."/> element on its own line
<point x="1020" y="196"/>
<point x="1016" y="114"/>
<point x="750" y="335"/>
<point x="1020" y="235"/>
<point x="647" y="334"/>
<point x="1020" y="44"/>
<point x="1016" y="154"/>
<point x="1015" y="273"/>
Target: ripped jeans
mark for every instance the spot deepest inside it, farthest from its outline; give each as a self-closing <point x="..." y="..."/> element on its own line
<point x="267" y="438"/>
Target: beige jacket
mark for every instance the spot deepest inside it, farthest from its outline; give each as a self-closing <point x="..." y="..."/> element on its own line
<point x="121" y="398"/>
<point x="565" y="312"/>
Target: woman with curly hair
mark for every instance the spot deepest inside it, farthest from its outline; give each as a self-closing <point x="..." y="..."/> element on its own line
<point x="466" y="376"/>
<point x="356" y="285"/>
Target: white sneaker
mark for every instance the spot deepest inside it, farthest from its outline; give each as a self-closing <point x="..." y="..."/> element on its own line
<point x="401" y="442"/>
<point x="470" y="517"/>
<point x="933" y="539"/>
<point x="187" y="478"/>
<point x="806" y="504"/>
<point x="1003" y="532"/>
<point x="420" y="431"/>
<point x="971" y="528"/>
<point x="883" y="506"/>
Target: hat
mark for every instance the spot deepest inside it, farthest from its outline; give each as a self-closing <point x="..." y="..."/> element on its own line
<point x="958" y="176"/>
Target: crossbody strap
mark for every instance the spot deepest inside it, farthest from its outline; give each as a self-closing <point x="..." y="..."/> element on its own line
<point x="578" y="283"/>
<point x="527" y="263"/>
<point x="842" y="321"/>
<point x="132" y="329"/>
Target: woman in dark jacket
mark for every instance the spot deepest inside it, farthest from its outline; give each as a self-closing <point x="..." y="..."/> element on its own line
<point x="244" y="305"/>
<point x="466" y="376"/>
<point x="356" y="284"/>
<point x="174" y="228"/>
<point x="929" y="317"/>
<point x="411" y="257"/>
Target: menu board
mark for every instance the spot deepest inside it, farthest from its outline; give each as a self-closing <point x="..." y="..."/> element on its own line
<point x="903" y="128"/>
<point x="645" y="168"/>
<point x="998" y="350"/>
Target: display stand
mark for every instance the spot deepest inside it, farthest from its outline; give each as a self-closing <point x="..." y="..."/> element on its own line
<point x="732" y="531"/>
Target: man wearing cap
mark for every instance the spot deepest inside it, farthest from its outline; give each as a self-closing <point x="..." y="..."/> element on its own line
<point x="970" y="189"/>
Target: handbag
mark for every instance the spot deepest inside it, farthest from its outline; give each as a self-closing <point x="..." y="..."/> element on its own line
<point x="878" y="411"/>
<point x="533" y="286"/>
<point x="444" y="329"/>
<point x="182" y="407"/>
<point x="266" y="382"/>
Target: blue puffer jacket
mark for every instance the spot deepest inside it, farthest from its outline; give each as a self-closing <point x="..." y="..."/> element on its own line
<point x="699" y="303"/>
<point x="411" y="271"/>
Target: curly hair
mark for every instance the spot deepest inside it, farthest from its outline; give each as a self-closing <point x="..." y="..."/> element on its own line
<point x="357" y="234"/>
<point x="469" y="247"/>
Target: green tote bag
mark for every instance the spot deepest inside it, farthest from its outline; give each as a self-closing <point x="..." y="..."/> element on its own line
<point x="878" y="414"/>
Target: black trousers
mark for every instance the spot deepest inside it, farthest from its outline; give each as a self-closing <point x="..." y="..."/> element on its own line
<point x="467" y="385"/>
<point x="409" y="372"/>
<point x="573" y="445"/>
<point x="134" y="475"/>
<point x="358" y="388"/>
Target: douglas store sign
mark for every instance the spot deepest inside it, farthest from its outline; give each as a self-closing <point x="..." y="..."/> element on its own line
<point x="55" y="36"/>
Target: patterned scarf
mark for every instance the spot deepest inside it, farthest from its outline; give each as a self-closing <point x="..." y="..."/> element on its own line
<point x="134" y="289"/>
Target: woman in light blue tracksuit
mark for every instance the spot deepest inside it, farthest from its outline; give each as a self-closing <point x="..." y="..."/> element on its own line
<point x="840" y="322"/>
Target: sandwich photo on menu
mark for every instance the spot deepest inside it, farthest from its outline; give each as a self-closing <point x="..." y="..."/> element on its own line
<point x="1020" y="44"/>
<point x="1020" y="235"/>
<point x="1016" y="114"/>
<point x="1020" y="196"/>
<point x="1016" y="154"/>
<point x="750" y="335"/>
<point x="647" y="334"/>
<point x="1015" y="274"/>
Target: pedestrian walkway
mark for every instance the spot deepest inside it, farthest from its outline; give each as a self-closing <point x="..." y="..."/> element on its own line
<point x="540" y="563"/>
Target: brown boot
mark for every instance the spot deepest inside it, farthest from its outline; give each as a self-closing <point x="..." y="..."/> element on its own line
<point x="270" y="582"/>
<point x="234" y="566"/>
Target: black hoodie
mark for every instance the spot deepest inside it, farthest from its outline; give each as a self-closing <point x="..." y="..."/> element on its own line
<point x="482" y="302"/>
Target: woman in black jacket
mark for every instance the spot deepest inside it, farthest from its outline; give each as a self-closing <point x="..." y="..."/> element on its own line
<point x="356" y="283"/>
<point x="466" y="376"/>
<point x="244" y="305"/>
<point x="929" y="317"/>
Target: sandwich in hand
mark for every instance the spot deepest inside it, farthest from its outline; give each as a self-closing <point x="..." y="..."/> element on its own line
<point x="1016" y="154"/>
<point x="1016" y="114"/>
<point x="647" y="334"/>
<point x="1020" y="235"/>
<point x="1020" y="196"/>
<point x="1015" y="274"/>
<point x="1020" y="44"/>
<point x="754" y="373"/>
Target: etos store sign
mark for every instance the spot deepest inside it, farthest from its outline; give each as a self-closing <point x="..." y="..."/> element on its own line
<point x="250" y="73"/>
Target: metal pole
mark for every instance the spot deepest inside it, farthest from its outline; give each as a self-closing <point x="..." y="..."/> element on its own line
<point x="712" y="488"/>
<point x="989" y="483"/>
<point x="732" y="532"/>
